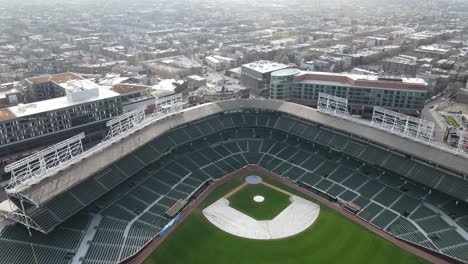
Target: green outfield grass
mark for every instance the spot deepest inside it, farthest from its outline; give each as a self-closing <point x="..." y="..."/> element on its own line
<point x="331" y="239"/>
<point x="275" y="202"/>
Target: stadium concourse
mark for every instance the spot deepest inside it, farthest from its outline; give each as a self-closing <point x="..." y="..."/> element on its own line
<point x="112" y="201"/>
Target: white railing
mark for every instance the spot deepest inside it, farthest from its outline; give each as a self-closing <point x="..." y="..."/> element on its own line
<point x="123" y="123"/>
<point x="43" y="161"/>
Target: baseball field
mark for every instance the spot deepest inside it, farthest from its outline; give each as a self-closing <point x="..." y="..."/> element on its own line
<point x="332" y="238"/>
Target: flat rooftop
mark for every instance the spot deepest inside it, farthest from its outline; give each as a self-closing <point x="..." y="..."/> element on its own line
<point x="56" y="78"/>
<point x="178" y="62"/>
<point x="124" y="88"/>
<point x="61" y="102"/>
<point x="360" y="80"/>
<point x="265" y="66"/>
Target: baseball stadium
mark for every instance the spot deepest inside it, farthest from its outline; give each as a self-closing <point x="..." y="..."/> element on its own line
<point x="238" y="181"/>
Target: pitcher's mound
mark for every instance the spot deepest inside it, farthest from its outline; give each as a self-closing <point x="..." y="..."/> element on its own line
<point x="259" y="198"/>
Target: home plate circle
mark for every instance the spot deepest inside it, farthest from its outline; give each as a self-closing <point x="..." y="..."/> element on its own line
<point x="259" y="198"/>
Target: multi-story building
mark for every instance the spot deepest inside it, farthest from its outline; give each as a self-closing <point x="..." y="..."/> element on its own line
<point x="256" y="75"/>
<point x="173" y="67"/>
<point x="85" y="107"/>
<point x="48" y="86"/>
<point x="219" y="63"/>
<point x="401" y="65"/>
<point x="133" y="95"/>
<point x="406" y="95"/>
